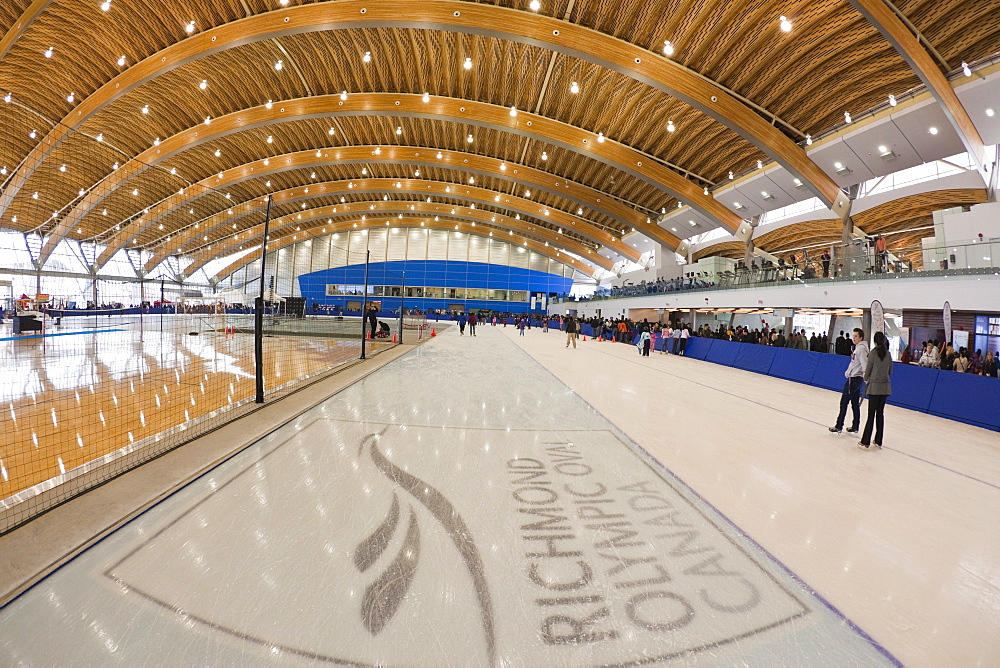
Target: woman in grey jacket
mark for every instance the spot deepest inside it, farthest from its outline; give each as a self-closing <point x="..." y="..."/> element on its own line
<point x="877" y="372"/>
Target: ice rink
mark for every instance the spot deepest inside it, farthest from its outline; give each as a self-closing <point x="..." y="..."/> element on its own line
<point x="503" y="500"/>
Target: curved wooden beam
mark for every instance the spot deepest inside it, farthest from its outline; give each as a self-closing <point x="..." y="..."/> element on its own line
<point x="394" y="154"/>
<point x="536" y="127"/>
<point x="317" y="232"/>
<point x="455" y="16"/>
<point x="366" y="218"/>
<point x="423" y="188"/>
<point x="887" y="22"/>
<point x="27" y="17"/>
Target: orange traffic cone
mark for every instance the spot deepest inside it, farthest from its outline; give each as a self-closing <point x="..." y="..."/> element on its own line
<point x="584" y="337"/>
<point x="394" y="338"/>
<point x="433" y="332"/>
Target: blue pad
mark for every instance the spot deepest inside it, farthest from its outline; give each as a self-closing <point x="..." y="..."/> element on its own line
<point x="797" y="365"/>
<point x="912" y="386"/>
<point x="724" y="352"/>
<point x="754" y="357"/>
<point x="967" y="398"/>
<point x="829" y="370"/>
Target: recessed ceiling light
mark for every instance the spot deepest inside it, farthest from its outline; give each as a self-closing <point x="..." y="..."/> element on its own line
<point x="668" y="48"/>
<point x="990" y="113"/>
<point x="574" y="88"/>
<point x="467" y="64"/>
<point x="932" y="130"/>
<point x="786" y="25"/>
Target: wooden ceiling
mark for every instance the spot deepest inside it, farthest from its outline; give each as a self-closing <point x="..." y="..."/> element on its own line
<point x="90" y="142"/>
<point x="904" y="222"/>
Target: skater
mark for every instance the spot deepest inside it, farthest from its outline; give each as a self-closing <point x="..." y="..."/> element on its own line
<point x="851" y="393"/>
<point x="570" y="332"/>
<point x="644" y="342"/>
<point x="461" y="323"/>
<point x="877" y="371"/>
<point x="473" y="321"/>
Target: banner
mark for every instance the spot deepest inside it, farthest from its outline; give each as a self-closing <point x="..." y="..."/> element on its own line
<point x="947" y="318"/>
<point x="878" y="317"/>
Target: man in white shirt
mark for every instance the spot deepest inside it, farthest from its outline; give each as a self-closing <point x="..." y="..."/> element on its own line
<point x="852" y="388"/>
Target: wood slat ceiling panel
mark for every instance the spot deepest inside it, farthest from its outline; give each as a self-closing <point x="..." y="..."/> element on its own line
<point x="10" y="12"/>
<point x="969" y="34"/>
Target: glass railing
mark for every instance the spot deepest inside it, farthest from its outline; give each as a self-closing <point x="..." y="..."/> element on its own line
<point x="848" y="262"/>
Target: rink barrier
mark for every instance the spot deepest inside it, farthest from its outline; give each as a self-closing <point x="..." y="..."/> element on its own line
<point x="955" y="396"/>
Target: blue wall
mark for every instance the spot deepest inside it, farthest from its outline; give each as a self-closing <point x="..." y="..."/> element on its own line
<point x="437" y="274"/>
<point x="956" y="396"/>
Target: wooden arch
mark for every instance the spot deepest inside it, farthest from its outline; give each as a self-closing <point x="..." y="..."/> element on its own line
<point x="381" y="208"/>
<point x="536" y="127"/>
<point x="348" y="225"/>
<point x="417" y="156"/>
<point x="453" y="15"/>
<point x="422" y="188"/>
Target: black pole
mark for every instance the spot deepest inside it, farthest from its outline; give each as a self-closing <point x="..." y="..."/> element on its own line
<point x="364" y="306"/>
<point x="258" y="314"/>
<point x="402" y="296"/>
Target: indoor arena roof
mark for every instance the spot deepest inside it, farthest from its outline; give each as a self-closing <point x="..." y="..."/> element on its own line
<point x="163" y="126"/>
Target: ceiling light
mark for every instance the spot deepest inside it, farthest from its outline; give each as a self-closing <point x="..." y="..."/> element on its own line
<point x="189" y="28"/>
<point x="33" y="134"/>
<point x="574" y="88"/>
<point x="503" y="166"/>
<point x="267" y="161"/>
<point x="218" y="153"/>
<point x="671" y="127"/>
<point x="786" y="25"/>
<point x="7" y="98"/>
<point x="416" y="173"/>
<point x="48" y="52"/>
<point x="668" y="48"/>
<point x="269" y="104"/>
<point x="990" y="112"/>
<point x="426" y="98"/>
<point x="527" y="193"/>
<point x="331" y="132"/>
<point x="364" y="171"/>
<point x="731" y="175"/>
<point x="809" y="140"/>
<point x="467" y="64"/>
<point x="766" y="195"/>
<point x="156" y="142"/>
<point x="932" y="130"/>
<point x="545" y="156"/>
<point x="534" y="5"/>
<point x="471" y="180"/>
<point x="513" y="111"/>
<point x="760" y="165"/>
<point x="966" y="70"/>
<point x="469" y="139"/>
<point x="841" y="168"/>
<point x="367" y="58"/>
<point x="797" y="182"/>
<point x="343" y="95"/>
<point x="399" y="130"/>
<point x="280" y="65"/>
<point x="106" y="5"/>
<point x="882" y="149"/>
<point x="71" y="97"/>
<point x="121" y="61"/>
<point x="319" y="153"/>
<point x="847" y="117"/>
<point x="204" y="84"/>
<point x="705" y="191"/>
<point x="892" y="101"/>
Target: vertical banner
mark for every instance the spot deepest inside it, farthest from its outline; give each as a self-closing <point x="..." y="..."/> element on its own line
<point x="878" y="317"/>
<point x="947" y="320"/>
<point x="544" y="300"/>
<point x="532" y="302"/>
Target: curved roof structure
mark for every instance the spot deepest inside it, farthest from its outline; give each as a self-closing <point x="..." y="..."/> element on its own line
<point x="164" y="126"/>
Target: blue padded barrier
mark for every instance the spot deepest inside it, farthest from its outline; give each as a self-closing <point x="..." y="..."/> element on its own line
<point x="967" y="398"/>
<point x="755" y="358"/>
<point x="912" y="386"/>
<point x="659" y="344"/>
<point x="697" y="347"/>
<point x="586" y="330"/>
<point x="829" y="371"/>
<point x="723" y="352"/>
<point x="792" y="364"/>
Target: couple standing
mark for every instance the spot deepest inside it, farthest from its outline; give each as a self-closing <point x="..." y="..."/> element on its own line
<point x="875" y="369"/>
